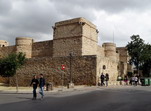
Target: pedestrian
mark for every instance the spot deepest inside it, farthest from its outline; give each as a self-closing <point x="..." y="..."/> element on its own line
<point x="119" y="78"/>
<point x="138" y="77"/>
<point x="41" y="85"/>
<point x="102" y="79"/>
<point x="136" y="80"/>
<point x="106" y="79"/>
<point x="133" y="80"/>
<point x="34" y="83"/>
<point x="126" y="79"/>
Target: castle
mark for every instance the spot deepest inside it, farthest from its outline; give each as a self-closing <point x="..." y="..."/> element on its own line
<point x="74" y="45"/>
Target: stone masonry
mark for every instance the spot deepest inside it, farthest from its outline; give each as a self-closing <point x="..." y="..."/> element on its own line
<point x="83" y="70"/>
<point x="74" y="44"/>
<point x="3" y="43"/>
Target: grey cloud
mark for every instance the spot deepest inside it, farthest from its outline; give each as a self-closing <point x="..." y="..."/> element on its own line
<point x="29" y="20"/>
<point x="33" y="18"/>
<point x="71" y="10"/>
<point x="110" y="6"/>
<point x="5" y="6"/>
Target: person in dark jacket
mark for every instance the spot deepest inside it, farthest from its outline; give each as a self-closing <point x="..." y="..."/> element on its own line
<point x="102" y="77"/>
<point x="41" y="85"/>
<point x="34" y="83"/>
<point x="126" y="79"/>
<point x="106" y="79"/>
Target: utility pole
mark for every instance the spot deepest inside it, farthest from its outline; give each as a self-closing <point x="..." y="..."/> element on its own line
<point x="71" y="84"/>
<point x="70" y="67"/>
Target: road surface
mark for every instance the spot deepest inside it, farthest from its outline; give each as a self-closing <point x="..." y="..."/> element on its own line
<point x="98" y="99"/>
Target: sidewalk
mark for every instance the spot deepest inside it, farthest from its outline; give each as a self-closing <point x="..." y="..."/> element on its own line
<point x="28" y="90"/>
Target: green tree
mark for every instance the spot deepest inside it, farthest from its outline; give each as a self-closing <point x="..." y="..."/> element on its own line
<point x="146" y="67"/>
<point x="10" y="64"/>
<point x="135" y="49"/>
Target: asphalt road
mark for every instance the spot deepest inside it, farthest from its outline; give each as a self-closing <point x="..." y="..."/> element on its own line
<point x="106" y="99"/>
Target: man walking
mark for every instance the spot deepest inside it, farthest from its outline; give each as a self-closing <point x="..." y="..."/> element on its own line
<point x="106" y="79"/>
<point x="102" y="79"/>
<point x="41" y="85"/>
<point x="35" y="83"/>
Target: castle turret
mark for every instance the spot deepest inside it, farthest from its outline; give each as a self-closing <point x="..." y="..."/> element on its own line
<point x="24" y="44"/>
<point x="110" y="50"/>
<point x="3" y="43"/>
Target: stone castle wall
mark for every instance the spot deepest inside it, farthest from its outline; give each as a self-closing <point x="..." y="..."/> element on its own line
<point x="100" y="51"/>
<point x="124" y="66"/>
<point x="110" y="50"/>
<point x="68" y="34"/>
<point x="89" y="47"/>
<point x="3" y="43"/>
<point x="89" y="39"/>
<point x="42" y="49"/>
<point x="67" y="46"/>
<point x="24" y="44"/>
<point x="83" y="70"/>
<point x="111" y="60"/>
<point x="4" y="51"/>
<point x="123" y="54"/>
<point x="111" y="68"/>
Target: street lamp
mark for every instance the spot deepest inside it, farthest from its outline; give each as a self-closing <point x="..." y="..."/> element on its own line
<point x="70" y="67"/>
<point x="71" y="84"/>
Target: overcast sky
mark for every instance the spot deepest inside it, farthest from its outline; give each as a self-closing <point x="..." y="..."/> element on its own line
<point x="118" y="19"/>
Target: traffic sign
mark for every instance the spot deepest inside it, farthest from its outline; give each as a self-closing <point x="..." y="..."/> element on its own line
<point x="63" y="67"/>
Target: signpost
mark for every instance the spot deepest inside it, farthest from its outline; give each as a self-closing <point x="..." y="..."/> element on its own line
<point x="62" y="68"/>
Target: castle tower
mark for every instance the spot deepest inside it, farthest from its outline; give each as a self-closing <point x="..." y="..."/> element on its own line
<point x="24" y="44"/>
<point x="110" y="50"/>
<point x="3" y="43"/>
<point x="77" y="36"/>
<point x="124" y="58"/>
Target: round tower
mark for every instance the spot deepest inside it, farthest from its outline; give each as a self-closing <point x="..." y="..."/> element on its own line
<point x="3" y="43"/>
<point x="110" y="50"/>
<point x="24" y="44"/>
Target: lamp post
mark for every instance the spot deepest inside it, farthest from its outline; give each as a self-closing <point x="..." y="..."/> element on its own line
<point x="70" y="67"/>
<point x="71" y="84"/>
